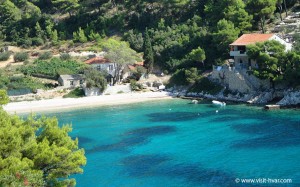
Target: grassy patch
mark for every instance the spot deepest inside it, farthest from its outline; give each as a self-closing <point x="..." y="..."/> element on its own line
<point x="78" y="92"/>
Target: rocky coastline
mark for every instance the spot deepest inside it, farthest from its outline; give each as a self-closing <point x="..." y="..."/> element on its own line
<point x="285" y="98"/>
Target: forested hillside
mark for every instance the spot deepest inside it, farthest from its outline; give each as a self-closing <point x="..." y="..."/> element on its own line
<point x="180" y="33"/>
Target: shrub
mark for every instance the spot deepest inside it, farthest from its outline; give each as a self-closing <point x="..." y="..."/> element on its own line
<point x="24" y="43"/>
<point x="45" y="56"/>
<point x="178" y="78"/>
<point x="184" y="77"/>
<point x="135" y="86"/>
<point x="79" y="36"/>
<point x="76" y="93"/>
<point x="206" y="86"/>
<point x="191" y="75"/>
<point x="65" y="56"/>
<point x="37" y="41"/>
<point x="4" y="56"/>
<point x="20" y="57"/>
<point x="94" y="78"/>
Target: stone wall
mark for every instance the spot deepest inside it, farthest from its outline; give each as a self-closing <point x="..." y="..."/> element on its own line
<point x="238" y="80"/>
<point x="117" y="89"/>
<point x="92" y="91"/>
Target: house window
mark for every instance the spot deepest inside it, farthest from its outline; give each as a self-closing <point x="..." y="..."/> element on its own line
<point x="242" y="49"/>
<point x="111" y="67"/>
<point x="71" y="83"/>
<point x="98" y="67"/>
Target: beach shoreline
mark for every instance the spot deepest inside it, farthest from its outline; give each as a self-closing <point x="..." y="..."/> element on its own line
<point x="59" y="104"/>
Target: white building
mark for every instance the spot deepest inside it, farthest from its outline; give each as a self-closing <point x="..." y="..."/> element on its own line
<point x="102" y="64"/>
<point x="239" y="48"/>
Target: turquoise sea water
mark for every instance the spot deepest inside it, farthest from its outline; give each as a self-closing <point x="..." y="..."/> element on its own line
<point x="174" y="143"/>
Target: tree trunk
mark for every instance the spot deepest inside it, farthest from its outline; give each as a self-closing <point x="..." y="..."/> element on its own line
<point x="117" y="73"/>
<point x="272" y="83"/>
<point x="280" y="11"/>
<point x="262" y="24"/>
<point x="284" y="2"/>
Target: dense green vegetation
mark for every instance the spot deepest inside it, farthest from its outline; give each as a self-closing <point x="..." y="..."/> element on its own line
<point x="94" y="78"/>
<point x="274" y="63"/>
<point x="172" y="35"/>
<point x="174" y="27"/>
<point x="16" y="82"/>
<point x="36" y="151"/>
<point x="206" y="86"/>
<point x="53" y="68"/>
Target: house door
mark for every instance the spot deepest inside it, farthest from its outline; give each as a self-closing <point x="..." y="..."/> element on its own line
<point x="249" y="62"/>
<point x="241" y="63"/>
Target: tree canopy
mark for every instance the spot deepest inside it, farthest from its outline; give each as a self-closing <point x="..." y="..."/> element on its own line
<point x="37" y="152"/>
<point x="119" y="53"/>
<point x="3" y="97"/>
<point x="274" y="63"/>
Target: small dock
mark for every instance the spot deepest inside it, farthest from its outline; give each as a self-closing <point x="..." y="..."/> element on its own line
<point x="191" y="98"/>
<point x="272" y="107"/>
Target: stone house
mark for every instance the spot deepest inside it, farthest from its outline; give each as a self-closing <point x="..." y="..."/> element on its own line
<point x="103" y="64"/>
<point x="71" y="81"/>
<point x="238" y="49"/>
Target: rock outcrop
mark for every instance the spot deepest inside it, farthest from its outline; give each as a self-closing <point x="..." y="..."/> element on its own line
<point x="290" y="98"/>
<point x="262" y="98"/>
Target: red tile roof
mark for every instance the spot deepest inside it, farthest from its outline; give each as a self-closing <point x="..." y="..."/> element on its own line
<point x="131" y="67"/>
<point x="139" y="63"/>
<point x="97" y="60"/>
<point x="247" y="39"/>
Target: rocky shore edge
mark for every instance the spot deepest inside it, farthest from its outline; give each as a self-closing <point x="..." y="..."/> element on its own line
<point x="289" y="98"/>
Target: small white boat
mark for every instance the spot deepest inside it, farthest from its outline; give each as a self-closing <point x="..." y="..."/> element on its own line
<point x="194" y="101"/>
<point x="219" y="103"/>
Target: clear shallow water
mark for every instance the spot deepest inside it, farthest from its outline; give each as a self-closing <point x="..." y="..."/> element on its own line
<point x="173" y="143"/>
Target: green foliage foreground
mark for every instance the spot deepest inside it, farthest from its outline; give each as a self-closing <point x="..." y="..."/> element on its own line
<point x="37" y="152"/>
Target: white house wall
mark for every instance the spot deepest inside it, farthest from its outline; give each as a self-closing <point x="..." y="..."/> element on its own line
<point x="105" y="67"/>
<point x="288" y="46"/>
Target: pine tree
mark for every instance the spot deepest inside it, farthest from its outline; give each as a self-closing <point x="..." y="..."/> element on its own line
<point x="79" y="36"/>
<point x="54" y="37"/>
<point x="38" y="30"/>
<point x="148" y="52"/>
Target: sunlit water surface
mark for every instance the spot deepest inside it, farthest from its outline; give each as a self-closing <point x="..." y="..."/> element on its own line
<point x="174" y="143"/>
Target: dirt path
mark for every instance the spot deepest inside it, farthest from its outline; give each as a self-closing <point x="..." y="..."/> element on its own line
<point x="3" y="64"/>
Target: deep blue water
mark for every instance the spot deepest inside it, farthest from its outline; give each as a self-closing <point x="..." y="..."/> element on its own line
<point x="173" y="143"/>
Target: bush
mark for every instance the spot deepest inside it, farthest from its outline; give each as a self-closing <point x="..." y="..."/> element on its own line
<point x="24" y="43"/>
<point x="45" y="56"/>
<point x="78" y="92"/>
<point x="4" y="56"/>
<point x="178" y="78"/>
<point x="20" y="57"/>
<point x="37" y="41"/>
<point x="206" y="86"/>
<point x="135" y="86"/>
<point x="185" y="77"/>
<point x="65" y="56"/>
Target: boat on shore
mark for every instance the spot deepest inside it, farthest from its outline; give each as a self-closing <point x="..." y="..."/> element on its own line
<point x="218" y="103"/>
